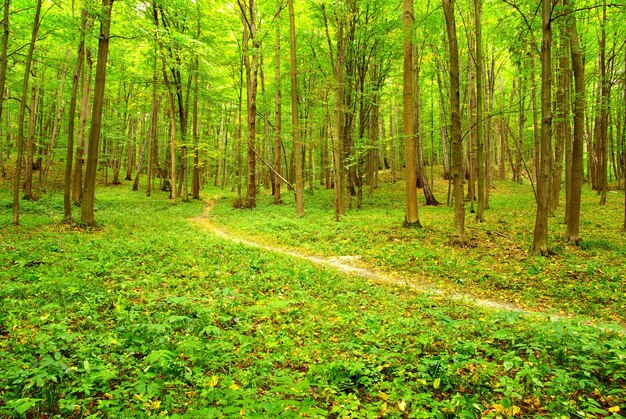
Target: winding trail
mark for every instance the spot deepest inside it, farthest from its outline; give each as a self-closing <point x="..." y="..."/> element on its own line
<point x="351" y="265"/>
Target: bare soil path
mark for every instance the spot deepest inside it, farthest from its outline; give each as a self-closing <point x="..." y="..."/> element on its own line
<point x="353" y="265"/>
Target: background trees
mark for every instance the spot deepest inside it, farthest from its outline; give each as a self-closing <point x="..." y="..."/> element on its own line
<point x="346" y="76"/>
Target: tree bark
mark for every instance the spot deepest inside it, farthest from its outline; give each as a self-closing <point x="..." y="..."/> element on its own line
<point x="22" y="112"/>
<point x="30" y="145"/>
<point x="278" y="124"/>
<point x="455" y="122"/>
<point x="480" y="132"/>
<point x="297" y="141"/>
<point x="411" y="217"/>
<point x="87" y="207"/>
<point x="421" y="178"/>
<point x="605" y="94"/>
<point x="572" y="233"/>
<point x="540" y="234"/>
<point x="79" y="158"/>
<point x="3" y="57"/>
<point x="562" y="121"/>
<point x="252" y="67"/>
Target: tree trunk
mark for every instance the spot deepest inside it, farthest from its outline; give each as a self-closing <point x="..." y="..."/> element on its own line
<point x="142" y="153"/>
<point x="533" y="98"/>
<point x="3" y="63"/>
<point x="605" y="94"/>
<point x="540" y="234"/>
<point x="30" y="146"/>
<point x="562" y="122"/>
<point x="411" y="217"/>
<point x="87" y="207"/>
<point x="251" y="66"/>
<point x="153" y="153"/>
<point x="455" y="122"/>
<point x="392" y="139"/>
<point x="421" y="178"/>
<point x="278" y="124"/>
<point x="22" y="112"/>
<point x="338" y="137"/>
<point x="443" y="129"/>
<point x="55" y="130"/>
<point x="195" y="181"/>
<point x="572" y="233"/>
<point x="297" y="141"/>
<point x="79" y="159"/>
<point x="480" y="132"/>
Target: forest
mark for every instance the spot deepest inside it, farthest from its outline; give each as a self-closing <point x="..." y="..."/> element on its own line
<point x="313" y="208"/>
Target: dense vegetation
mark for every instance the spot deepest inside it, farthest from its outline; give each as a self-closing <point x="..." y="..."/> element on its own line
<point x="173" y="321"/>
<point x="166" y="166"/>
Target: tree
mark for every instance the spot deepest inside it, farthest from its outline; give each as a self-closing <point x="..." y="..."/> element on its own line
<point x="297" y="142"/>
<point x="22" y="112"/>
<point x="480" y="103"/>
<point x="572" y="233"/>
<point x="540" y="234"/>
<point x="277" y="119"/>
<point x="87" y="207"/>
<point x="67" y="198"/>
<point x="455" y="122"/>
<point x="411" y="216"/>
<point x="251" y="63"/>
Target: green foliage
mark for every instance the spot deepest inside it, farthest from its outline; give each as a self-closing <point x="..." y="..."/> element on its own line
<point x="151" y="315"/>
<point x="587" y="280"/>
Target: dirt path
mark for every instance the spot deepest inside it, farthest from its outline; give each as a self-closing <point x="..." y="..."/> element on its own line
<point x="351" y="265"/>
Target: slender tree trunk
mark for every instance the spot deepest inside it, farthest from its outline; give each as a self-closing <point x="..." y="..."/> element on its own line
<point x="339" y="137"/>
<point x="79" y="159"/>
<point x="624" y="139"/>
<point x="562" y="101"/>
<point x="153" y="153"/>
<point x="142" y="153"/>
<point x="443" y="128"/>
<point x="250" y="58"/>
<point x="22" y="111"/>
<point x="3" y="63"/>
<point x="480" y="103"/>
<point x="421" y="178"/>
<point x="30" y="146"/>
<point x="297" y="141"/>
<point x="392" y="139"/>
<point x="540" y="234"/>
<point x="87" y="207"/>
<point x="455" y="121"/>
<point x="278" y="142"/>
<point x="411" y="217"/>
<point x="605" y="94"/>
<point x="535" y="115"/>
<point x="490" y="132"/>
<point x="45" y="169"/>
<point x="572" y="233"/>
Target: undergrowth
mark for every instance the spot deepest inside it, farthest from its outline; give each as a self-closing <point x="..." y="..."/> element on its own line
<point x="588" y="280"/>
<point x="150" y="315"/>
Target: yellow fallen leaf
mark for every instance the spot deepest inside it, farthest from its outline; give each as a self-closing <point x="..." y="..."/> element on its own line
<point x="234" y="387"/>
<point x="614" y="409"/>
<point x="402" y="405"/>
<point x="437" y="382"/>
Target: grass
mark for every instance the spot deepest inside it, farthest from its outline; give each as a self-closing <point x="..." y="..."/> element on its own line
<point x="589" y="280"/>
<point x="148" y="315"/>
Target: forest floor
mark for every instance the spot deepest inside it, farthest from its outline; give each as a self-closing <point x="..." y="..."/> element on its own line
<point x="354" y="265"/>
<point x="587" y="280"/>
<point x="160" y="310"/>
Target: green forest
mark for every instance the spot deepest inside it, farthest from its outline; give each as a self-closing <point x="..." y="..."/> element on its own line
<point x="312" y="208"/>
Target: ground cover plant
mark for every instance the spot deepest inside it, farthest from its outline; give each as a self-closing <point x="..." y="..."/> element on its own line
<point x="589" y="279"/>
<point x="148" y="314"/>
